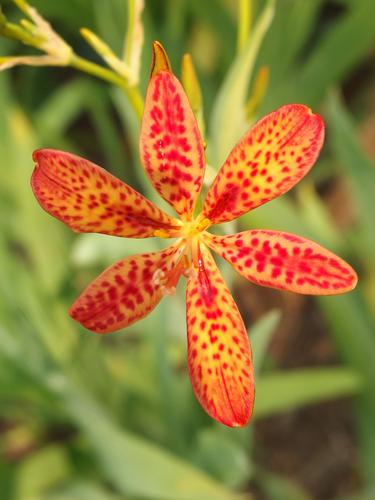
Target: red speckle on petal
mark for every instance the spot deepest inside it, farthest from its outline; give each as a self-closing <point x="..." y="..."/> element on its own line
<point x="171" y="147"/>
<point x="276" y="153"/>
<point x="285" y="261"/>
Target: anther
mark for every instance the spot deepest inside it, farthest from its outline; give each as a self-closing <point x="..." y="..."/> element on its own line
<point x="158" y="276"/>
<point x="190" y="272"/>
<point x="161" y="233"/>
<point x="204" y="224"/>
<point x="165" y="290"/>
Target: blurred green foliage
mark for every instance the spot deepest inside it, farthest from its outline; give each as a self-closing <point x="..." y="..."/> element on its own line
<point x="84" y="417"/>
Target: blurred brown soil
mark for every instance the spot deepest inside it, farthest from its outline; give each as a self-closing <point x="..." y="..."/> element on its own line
<point x="315" y="446"/>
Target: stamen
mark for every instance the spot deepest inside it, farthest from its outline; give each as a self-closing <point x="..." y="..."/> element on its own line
<point x="161" y="233"/>
<point x="168" y="279"/>
<point x="158" y="276"/>
<point x="204" y="224"/>
<point x="190" y="272"/>
<point x="168" y="290"/>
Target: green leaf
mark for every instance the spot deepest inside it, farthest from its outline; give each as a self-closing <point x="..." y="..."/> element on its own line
<point x="359" y="172"/>
<point x="285" y="391"/>
<point x="337" y="51"/>
<point x="83" y="490"/>
<point x="280" y="214"/>
<point x="307" y="217"/>
<point x="352" y="329"/>
<point x="276" y="487"/>
<point x="228" y="118"/>
<point x="127" y="459"/>
<point x="292" y="26"/>
<point x="222" y="457"/>
<point x="42" y="470"/>
<point x="260" y="336"/>
<point x="94" y="249"/>
<point x="109" y="136"/>
<point x="63" y="106"/>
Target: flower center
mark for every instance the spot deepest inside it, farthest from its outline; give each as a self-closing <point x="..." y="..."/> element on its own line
<point x="194" y="227"/>
<point x="187" y="230"/>
<point x="186" y="260"/>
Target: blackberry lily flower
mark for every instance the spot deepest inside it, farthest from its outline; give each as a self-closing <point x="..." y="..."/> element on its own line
<point x="268" y="161"/>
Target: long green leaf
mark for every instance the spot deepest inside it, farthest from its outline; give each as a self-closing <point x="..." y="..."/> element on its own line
<point x="337" y="51"/>
<point x="352" y="328"/>
<point x="260" y="336"/>
<point x="359" y="171"/>
<point x="285" y="391"/>
<point x="136" y="466"/>
<point x="41" y="471"/>
<point x="228" y="119"/>
<point x="82" y="490"/>
<point x="125" y="458"/>
<point x="291" y="28"/>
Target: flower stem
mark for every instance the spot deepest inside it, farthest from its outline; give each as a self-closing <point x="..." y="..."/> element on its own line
<point x="94" y="69"/>
<point x="245" y="9"/>
<point x="129" y="32"/>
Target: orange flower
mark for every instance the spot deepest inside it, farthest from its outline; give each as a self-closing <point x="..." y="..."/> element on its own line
<point x="268" y="161"/>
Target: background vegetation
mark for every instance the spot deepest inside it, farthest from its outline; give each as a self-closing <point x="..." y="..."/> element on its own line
<point x="87" y="417"/>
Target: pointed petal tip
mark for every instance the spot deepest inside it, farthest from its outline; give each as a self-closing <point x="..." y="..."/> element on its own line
<point x="314" y="118"/>
<point x="231" y="415"/>
<point x="348" y="280"/>
<point x="352" y="278"/>
<point x="74" y="313"/>
<point x="160" y="60"/>
<point x="236" y="421"/>
<point x="39" y="153"/>
<point x="235" y="416"/>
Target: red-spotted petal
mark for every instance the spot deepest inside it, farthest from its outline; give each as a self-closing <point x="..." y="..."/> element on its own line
<point x="219" y="354"/>
<point x="285" y="261"/>
<point x="268" y="161"/>
<point x="89" y="199"/>
<point x="125" y="292"/>
<point x="170" y="145"/>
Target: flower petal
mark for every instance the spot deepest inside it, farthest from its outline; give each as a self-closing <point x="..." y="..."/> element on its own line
<point x="89" y="199"/>
<point x="170" y="145"/>
<point x="125" y="292"/>
<point x="268" y="161"/>
<point x="285" y="261"/>
<point x="219" y="354"/>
